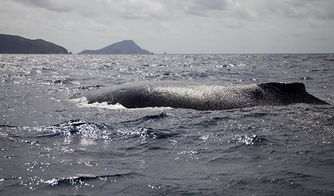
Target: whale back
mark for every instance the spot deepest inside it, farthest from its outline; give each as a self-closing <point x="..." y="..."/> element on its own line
<point x="204" y="97"/>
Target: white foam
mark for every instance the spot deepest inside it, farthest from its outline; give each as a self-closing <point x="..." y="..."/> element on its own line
<point x="83" y="102"/>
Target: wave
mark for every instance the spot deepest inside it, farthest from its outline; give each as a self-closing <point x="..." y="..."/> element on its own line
<point x="103" y="131"/>
<point x="247" y="139"/>
<point x="7" y="126"/>
<point x="73" y="127"/>
<point x="82" y="178"/>
<point x="147" y="118"/>
<point x="146" y="133"/>
<point x="89" y="87"/>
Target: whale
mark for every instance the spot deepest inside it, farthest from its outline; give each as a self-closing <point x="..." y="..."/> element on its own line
<point x="203" y="96"/>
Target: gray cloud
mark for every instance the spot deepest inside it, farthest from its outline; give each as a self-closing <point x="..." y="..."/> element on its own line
<point x="303" y="9"/>
<point x="175" y="25"/>
<point x="137" y="9"/>
<point x="58" y="6"/>
<point x="210" y="5"/>
<point x="202" y="7"/>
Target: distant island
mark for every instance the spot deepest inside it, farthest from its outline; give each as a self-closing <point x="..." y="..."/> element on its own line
<point x="122" y="47"/>
<point x="12" y="44"/>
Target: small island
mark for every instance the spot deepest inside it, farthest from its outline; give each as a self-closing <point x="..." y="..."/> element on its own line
<point x="12" y="44"/>
<point x="122" y="47"/>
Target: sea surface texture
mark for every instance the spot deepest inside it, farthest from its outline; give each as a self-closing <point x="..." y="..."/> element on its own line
<point x="52" y="142"/>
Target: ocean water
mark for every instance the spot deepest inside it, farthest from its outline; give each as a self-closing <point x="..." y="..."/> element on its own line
<point x="52" y="142"/>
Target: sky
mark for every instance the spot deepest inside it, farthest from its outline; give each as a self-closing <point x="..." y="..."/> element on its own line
<point x="176" y="26"/>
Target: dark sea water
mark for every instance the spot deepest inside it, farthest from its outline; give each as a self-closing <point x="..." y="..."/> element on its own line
<point x="52" y="142"/>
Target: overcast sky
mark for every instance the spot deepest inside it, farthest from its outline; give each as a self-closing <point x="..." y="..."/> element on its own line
<point x="176" y="26"/>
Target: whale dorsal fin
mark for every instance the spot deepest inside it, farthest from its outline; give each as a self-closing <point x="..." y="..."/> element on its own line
<point x="285" y="87"/>
<point x="290" y="93"/>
